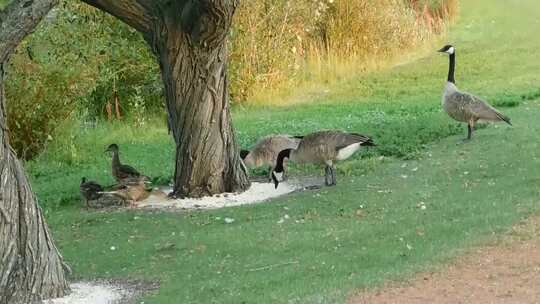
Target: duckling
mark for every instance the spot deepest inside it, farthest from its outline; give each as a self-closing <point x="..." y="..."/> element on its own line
<point x="266" y="150"/>
<point x="122" y="173"/>
<point x="90" y="190"/>
<point x="322" y="147"/>
<point x="465" y="107"/>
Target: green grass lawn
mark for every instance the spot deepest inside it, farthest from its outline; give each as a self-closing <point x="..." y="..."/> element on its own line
<point x="368" y="229"/>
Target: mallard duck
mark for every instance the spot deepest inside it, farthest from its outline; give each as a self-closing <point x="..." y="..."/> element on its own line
<point x="90" y="190"/>
<point x="323" y="147"/>
<point x="122" y="173"/>
<point x="132" y="192"/>
<point x="465" y="107"/>
<point x="266" y="150"/>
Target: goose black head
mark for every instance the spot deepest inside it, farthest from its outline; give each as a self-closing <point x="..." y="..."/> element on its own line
<point x="112" y="148"/>
<point x="244" y="154"/>
<point x="449" y="49"/>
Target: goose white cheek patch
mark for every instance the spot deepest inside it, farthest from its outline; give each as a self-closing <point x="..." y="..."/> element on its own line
<point x="451" y="50"/>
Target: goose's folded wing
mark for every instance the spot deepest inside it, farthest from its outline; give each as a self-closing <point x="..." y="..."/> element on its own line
<point x="346" y="139"/>
<point x="483" y="110"/>
<point x="462" y="100"/>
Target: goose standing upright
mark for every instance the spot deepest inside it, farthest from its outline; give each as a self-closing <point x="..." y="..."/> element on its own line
<point x="462" y="106"/>
<point x="322" y="147"/>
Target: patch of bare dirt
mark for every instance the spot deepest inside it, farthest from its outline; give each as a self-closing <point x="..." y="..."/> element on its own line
<point x="505" y="272"/>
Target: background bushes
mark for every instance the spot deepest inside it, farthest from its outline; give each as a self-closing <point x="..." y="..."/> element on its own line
<point x="84" y="65"/>
<point x="80" y="64"/>
<point x="278" y="45"/>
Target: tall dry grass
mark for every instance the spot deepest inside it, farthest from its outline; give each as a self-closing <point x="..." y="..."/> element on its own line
<point x="277" y="45"/>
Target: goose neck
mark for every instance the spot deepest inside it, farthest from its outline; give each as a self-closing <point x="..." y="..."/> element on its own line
<point x="451" y="68"/>
<point x="281" y="157"/>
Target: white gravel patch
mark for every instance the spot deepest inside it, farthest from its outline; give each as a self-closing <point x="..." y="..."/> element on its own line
<point x="91" y="293"/>
<point x="258" y="192"/>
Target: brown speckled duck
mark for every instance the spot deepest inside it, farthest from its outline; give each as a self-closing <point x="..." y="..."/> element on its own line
<point x="122" y="173"/>
<point x="132" y="192"/>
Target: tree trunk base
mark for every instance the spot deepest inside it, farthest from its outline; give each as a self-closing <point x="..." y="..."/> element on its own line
<point x="31" y="267"/>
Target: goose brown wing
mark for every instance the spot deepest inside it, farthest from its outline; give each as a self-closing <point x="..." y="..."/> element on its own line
<point x="346" y="139"/>
<point x="462" y="100"/>
<point x="324" y="145"/>
<point x="316" y="147"/>
<point x="483" y="110"/>
<point x="267" y="148"/>
<point x="474" y="107"/>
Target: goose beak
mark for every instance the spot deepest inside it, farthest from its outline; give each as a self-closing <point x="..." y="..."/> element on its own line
<point x="441" y="50"/>
<point x="275" y="179"/>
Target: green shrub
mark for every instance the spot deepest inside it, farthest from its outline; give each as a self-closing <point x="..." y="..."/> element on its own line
<point x="3" y="3"/>
<point x="86" y="64"/>
<point x="78" y="61"/>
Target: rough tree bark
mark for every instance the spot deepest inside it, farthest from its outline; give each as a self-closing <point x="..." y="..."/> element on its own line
<point x="189" y="38"/>
<point x="31" y="267"/>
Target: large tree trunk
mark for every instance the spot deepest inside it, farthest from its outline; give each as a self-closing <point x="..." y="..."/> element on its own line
<point x="195" y="78"/>
<point x="31" y="268"/>
<point x="189" y="37"/>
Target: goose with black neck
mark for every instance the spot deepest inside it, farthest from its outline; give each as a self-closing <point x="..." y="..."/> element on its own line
<point x="322" y="147"/>
<point x="465" y="107"/>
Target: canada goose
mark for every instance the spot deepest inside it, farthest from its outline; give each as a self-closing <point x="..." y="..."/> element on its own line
<point x="465" y="107"/>
<point x="266" y="150"/>
<point x="90" y="190"/>
<point x="323" y="147"/>
<point x="122" y="173"/>
<point x="132" y="192"/>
